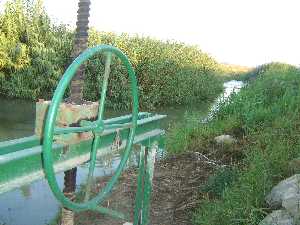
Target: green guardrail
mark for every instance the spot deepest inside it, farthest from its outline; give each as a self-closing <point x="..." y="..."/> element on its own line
<point x="59" y="145"/>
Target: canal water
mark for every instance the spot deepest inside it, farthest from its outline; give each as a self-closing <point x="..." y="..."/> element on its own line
<point x="34" y="204"/>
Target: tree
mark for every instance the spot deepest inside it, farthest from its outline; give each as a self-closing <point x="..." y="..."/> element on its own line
<point x="76" y="95"/>
<point x="80" y="44"/>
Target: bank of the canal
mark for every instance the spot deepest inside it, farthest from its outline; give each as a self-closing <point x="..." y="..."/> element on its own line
<point x="35" y="204"/>
<point x="176" y="182"/>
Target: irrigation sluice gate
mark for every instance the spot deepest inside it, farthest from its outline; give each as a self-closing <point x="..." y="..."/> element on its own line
<point x="68" y="135"/>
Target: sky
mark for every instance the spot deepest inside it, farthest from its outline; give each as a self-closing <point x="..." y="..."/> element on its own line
<point x="243" y="32"/>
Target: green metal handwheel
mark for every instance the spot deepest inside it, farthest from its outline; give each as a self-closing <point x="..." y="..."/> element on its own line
<point x="97" y="127"/>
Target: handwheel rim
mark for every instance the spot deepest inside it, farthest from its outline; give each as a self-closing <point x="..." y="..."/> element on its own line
<point x="51" y="119"/>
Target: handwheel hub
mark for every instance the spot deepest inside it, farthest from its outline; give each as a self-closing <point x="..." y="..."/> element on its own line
<point x="99" y="127"/>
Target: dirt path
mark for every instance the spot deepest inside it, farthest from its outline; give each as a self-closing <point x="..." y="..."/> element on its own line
<point x="175" y="194"/>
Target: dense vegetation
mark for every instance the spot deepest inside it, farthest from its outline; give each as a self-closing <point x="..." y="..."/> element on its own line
<point x="34" y="53"/>
<point x="264" y="117"/>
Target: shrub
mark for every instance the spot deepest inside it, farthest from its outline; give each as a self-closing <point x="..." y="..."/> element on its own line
<point x="34" y="54"/>
<point x="168" y="72"/>
<point x="33" y="51"/>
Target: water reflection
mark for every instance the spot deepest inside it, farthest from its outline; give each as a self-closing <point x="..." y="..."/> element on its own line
<point x="35" y="204"/>
<point x="17" y="118"/>
<point x="26" y="191"/>
<point x="230" y="88"/>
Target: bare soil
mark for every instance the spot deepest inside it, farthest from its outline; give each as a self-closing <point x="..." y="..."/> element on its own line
<point x="176" y="192"/>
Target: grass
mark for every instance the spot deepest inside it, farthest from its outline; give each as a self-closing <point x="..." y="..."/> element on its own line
<point x="264" y="117"/>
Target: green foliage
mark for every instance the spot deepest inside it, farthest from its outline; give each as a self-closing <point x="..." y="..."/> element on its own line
<point x="217" y="183"/>
<point x="260" y="70"/>
<point x="168" y="72"/>
<point x="191" y="134"/>
<point x="34" y="53"/>
<point x="179" y="135"/>
<point x="268" y="112"/>
<point x="264" y="117"/>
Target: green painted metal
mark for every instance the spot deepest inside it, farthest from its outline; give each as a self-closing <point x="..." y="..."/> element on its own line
<point x="99" y="130"/>
<point x="25" y="160"/>
<point x="144" y="184"/>
<point x="112" y="213"/>
<point x="51" y="118"/>
<point x="18" y="144"/>
<point x="23" y="166"/>
<point x="140" y="187"/>
<point x="149" y="170"/>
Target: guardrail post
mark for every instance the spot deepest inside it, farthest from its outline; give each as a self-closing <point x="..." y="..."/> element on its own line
<point x="144" y="184"/>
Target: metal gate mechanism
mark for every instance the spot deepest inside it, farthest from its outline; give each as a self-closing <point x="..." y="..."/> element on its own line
<point x="68" y="135"/>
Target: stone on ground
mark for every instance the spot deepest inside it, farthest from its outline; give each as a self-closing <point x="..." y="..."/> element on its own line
<point x="278" y="217"/>
<point x="225" y="139"/>
<point x="291" y="202"/>
<point x="284" y="190"/>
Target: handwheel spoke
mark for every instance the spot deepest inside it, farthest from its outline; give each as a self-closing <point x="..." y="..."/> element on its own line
<point x="111" y="212"/>
<point x="68" y="130"/>
<point x="100" y="118"/>
<point x="104" y="85"/>
<point x="91" y="167"/>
